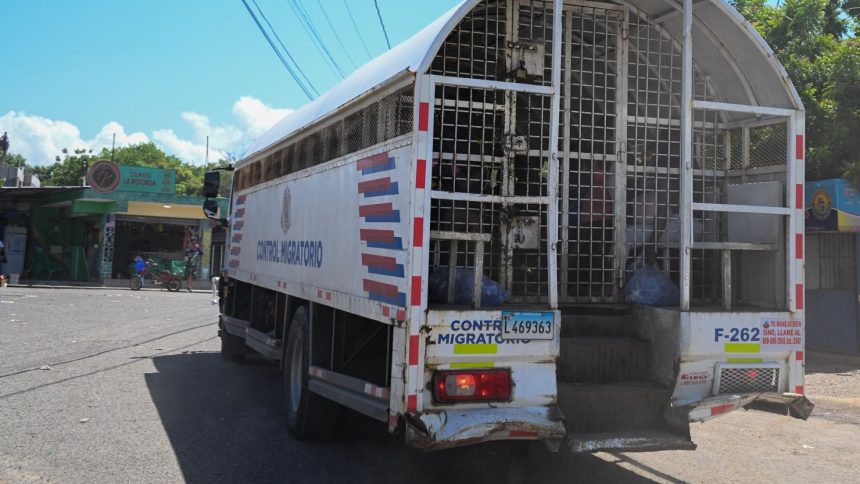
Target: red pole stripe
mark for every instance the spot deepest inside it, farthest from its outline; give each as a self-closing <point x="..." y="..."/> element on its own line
<point x="419" y="176"/>
<point x="798" y="146"/>
<point x="798" y="289"/>
<point x="418" y="232"/>
<point x="412" y="403"/>
<point x="416" y="290"/>
<point x="798" y="196"/>
<point x="798" y="389"/>
<point x="423" y="115"/>
<point x="798" y="246"/>
<point x="413" y="350"/>
<point x="799" y="356"/>
<point x="401" y="315"/>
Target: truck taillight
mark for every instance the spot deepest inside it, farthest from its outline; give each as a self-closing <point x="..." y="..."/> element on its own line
<point x="472" y="385"/>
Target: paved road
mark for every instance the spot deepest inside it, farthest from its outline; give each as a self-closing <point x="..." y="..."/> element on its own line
<point x="133" y="390"/>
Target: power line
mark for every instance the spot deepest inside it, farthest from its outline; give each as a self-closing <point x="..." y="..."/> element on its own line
<point x="265" y="19"/>
<point x="385" y="32"/>
<point x="308" y="25"/>
<point x="357" y="31"/>
<point x="277" y="52"/>
<point x="336" y="35"/>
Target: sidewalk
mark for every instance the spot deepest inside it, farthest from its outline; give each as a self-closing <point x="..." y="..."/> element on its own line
<point x="197" y="286"/>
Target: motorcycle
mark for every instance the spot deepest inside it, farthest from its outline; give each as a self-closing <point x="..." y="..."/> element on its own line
<point x="151" y="272"/>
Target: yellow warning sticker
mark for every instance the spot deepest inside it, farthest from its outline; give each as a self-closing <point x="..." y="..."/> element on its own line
<point x="742" y="348"/>
<point x="476" y="349"/>
<point x="473" y="364"/>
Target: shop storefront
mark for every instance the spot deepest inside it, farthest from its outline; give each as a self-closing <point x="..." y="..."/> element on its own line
<point x="92" y="234"/>
<point x="832" y="271"/>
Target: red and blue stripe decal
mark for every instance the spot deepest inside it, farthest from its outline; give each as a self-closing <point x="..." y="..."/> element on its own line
<point x="379" y="212"/>
<point x="235" y="250"/>
<point x="387" y="293"/>
<point x="376" y="164"/>
<point x="234" y="263"/>
<point x="382" y="265"/>
<point x="381" y="239"/>
<point x="238" y="225"/>
<point x="236" y="238"/>
<point x="378" y="187"/>
<point x="241" y="199"/>
<point x="239" y="213"/>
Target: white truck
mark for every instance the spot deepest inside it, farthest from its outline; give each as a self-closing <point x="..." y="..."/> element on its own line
<point x="447" y="241"/>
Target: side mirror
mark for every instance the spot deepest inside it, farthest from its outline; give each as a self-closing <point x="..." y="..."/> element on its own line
<point x="211" y="182"/>
<point x="210" y="208"/>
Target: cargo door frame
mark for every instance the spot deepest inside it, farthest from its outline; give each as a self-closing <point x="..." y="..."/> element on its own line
<point x="617" y="254"/>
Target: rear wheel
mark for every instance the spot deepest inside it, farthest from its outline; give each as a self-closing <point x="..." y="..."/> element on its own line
<point x="136" y="283"/>
<point x="309" y="416"/>
<point x="173" y="285"/>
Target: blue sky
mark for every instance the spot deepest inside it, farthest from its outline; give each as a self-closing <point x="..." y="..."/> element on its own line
<point x="171" y="71"/>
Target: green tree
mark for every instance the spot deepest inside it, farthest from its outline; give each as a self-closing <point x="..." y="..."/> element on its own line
<point x="68" y="169"/>
<point x="12" y="159"/>
<point x="816" y="42"/>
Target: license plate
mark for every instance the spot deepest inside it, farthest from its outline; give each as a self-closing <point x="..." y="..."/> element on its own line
<point x="521" y="325"/>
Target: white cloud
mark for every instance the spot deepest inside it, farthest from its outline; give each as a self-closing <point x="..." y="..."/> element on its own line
<point x="40" y="139"/>
<point x="256" y="116"/>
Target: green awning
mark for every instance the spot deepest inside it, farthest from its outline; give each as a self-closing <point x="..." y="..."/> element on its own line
<point x="93" y="206"/>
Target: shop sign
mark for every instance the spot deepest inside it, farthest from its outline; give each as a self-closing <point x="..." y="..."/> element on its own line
<point x="104" y="176"/>
<point x="150" y="180"/>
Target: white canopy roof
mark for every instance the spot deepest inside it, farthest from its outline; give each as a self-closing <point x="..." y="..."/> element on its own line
<point x="726" y="48"/>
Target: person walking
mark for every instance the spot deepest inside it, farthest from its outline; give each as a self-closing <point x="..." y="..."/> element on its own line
<point x="193" y="255"/>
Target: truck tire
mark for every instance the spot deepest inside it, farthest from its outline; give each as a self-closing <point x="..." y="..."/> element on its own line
<point x="233" y="348"/>
<point x="309" y="416"/>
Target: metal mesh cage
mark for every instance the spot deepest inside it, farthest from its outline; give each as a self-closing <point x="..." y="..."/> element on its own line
<point x="748" y="380"/>
<point x="386" y="118"/>
<point x="768" y="145"/>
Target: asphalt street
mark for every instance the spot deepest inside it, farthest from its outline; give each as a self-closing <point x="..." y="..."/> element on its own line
<point x="111" y="385"/>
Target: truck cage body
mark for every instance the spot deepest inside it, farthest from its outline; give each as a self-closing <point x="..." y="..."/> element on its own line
<point x="550" y="149"/>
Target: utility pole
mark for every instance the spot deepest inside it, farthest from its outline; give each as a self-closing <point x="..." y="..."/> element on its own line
<point x="113" y="147"/>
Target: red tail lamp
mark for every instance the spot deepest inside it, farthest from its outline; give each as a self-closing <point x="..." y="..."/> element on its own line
<point x="474" y="385"/>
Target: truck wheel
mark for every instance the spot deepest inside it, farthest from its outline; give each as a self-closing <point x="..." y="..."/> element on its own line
<point x="309" y="416"/>
<point x="233" y="348"/>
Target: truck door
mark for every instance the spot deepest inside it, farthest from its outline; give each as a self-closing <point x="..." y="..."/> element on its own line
<point x="593" y="127"/>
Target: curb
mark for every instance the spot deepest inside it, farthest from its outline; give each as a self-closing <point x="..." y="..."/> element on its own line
<point x="47" y="286"/>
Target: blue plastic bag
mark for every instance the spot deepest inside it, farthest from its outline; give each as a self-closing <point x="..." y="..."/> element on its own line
<point x="492" y="294"/>
<point x="651" y="286"/>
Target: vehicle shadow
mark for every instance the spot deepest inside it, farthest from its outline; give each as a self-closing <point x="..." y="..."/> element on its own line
<point x="825" y="362"/>
<point x="226" y="424"/>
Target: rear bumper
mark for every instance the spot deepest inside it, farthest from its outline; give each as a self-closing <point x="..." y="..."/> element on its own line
<point x="455" y="427"/>
<point x="792" y="404"/>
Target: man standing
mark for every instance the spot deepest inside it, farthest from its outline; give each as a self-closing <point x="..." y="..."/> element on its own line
<point x="193" y="255"/>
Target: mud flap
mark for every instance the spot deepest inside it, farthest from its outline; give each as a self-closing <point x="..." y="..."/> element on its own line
<point x="793" y="404"/>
